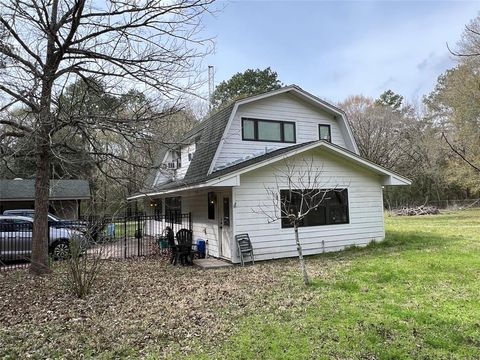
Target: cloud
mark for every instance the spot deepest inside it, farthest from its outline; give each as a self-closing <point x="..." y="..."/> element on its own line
<point x="407" y="57"/>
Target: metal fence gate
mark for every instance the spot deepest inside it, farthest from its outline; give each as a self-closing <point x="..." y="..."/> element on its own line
<point x="110" y="237"/>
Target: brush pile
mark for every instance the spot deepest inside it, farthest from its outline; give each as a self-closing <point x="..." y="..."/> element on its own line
<point x="419" y="210"/>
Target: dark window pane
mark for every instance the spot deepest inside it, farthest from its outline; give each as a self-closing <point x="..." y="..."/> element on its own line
<point x="173" y="209"/>
<point x="337" y="214"/>
<point x="315" y="217"/>
<point x="269" y="131"/>
<point x="23" y="224"/>
<point x="212" y="199"/>
<point x="289" y="132"/>
<point x="156" y="207"/>
<point x="226" y="211"/>
<point x="324" y="131"/>
<point x="331" y="208"/>
<point x="249" y="129"/>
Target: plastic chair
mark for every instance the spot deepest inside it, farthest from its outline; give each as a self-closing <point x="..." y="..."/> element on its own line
<point x="184" y="247"/>
<point x="244" y="247"/>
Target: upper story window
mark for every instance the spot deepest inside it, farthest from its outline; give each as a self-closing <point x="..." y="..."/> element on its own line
<point x="268" y="130"/>
<point x="325" y="132"/>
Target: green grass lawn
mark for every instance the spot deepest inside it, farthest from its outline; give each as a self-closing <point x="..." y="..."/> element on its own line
<point x="416" y="295"/>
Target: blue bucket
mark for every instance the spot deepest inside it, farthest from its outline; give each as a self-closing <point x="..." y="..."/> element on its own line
<point x="201" y="248"/>
<point x="110" y="229"/>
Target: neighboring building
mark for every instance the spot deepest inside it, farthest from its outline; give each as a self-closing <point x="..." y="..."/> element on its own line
<point x="65" y="196"/>
<point x="219" y="170"/>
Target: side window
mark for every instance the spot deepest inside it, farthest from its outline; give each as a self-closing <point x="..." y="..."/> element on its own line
<point x="5" y="225"/>
<point x="333" y="208"/>
<point x="325" y="132"/>
<point x="23" y="225"/>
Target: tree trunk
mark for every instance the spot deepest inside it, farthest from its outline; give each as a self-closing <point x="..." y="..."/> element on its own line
<point x="300" y="256"/>
<point x="40" y="236"/>
<point x="40" y="222"/>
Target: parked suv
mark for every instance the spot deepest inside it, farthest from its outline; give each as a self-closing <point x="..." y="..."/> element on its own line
<point x="16" y="238"/>
<point x="52" y="219"/>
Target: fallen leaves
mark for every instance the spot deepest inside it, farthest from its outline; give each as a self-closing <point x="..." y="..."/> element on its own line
<point x="135" y="306"/>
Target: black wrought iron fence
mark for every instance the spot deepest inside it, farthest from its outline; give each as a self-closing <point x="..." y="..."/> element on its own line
<point x="112" y="236"/>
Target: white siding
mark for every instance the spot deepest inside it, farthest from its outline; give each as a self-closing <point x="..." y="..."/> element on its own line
<point x="271" y="241"/>
<point x="163" y="174"/>
<point x="280" y="107"/>
<point x="202" y="227"/>
<point x="185" y="150"/>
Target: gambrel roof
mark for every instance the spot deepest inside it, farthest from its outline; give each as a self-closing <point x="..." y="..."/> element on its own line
<point x="209" y="137"/>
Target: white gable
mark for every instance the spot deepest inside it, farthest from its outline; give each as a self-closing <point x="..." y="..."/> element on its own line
<point x="289" y="104"/>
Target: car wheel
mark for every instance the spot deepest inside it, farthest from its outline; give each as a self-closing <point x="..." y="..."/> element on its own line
<point x="61" y="250"/>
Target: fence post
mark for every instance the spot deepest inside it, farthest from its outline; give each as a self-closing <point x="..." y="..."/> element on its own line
<point x="138" y="233"/>
<point x="48" y="235"/>
<point x="125" y="237"/>
<point x="190" y="221"/>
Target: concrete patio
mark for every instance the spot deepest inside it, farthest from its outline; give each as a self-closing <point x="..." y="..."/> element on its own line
<point x="211" y="263"/>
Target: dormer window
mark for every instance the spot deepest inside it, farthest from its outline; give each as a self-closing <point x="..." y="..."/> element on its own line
<point x="325" y="132"/>
<point x="268" y="130"/>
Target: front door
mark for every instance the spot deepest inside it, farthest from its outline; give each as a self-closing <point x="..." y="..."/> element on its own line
<point x="225" y="225"/>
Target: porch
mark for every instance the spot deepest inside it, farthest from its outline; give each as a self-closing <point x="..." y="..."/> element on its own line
<point x="212" y="216"/>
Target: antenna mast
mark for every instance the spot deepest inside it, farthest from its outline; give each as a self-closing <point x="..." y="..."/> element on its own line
<point x="211" y="85"/>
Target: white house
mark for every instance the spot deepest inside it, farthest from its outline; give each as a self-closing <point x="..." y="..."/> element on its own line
<point x="218" y="172"/>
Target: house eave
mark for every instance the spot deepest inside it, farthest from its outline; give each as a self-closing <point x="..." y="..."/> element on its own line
<point x="233" y="179"/>
<point x="225" y="181"/>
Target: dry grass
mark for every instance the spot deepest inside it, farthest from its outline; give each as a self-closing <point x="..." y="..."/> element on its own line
<point x="136" y="305"/>
<point x="414" y="295"/>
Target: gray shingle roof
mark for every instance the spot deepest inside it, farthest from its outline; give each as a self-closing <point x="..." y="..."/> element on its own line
<point x="59" y="189"/>
<point x="257" y="159"/>
<point x="209" y="133"/>
<point x="225" y="171"/>
<point x="212" y="133"/>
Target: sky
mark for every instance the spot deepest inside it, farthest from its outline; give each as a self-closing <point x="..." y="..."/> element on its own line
<point x="336" y="49"/>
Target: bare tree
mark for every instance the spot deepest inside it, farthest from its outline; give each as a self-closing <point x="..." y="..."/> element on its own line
<point x="300" y="189"/>
<point x="469" y="44"/>
<point x="461" y="153"/>
<point x="148" y="45"/>
<point x="380" y="129"/>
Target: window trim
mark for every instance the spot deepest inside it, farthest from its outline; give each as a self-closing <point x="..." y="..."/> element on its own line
<point x="282" y="130"/>
<point x="347" y="221"/>
<point x="329" y="132"/>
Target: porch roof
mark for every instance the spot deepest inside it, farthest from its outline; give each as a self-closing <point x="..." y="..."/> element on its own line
<point x="218" y="178"/>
